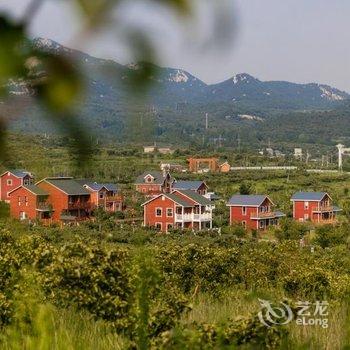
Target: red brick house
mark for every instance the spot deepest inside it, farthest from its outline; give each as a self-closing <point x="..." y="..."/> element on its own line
<point x="105" y="196"/>
<point x="152" y="183"/>
<point x="253" y="211"/>
<point x="316" y="207"/>
<point x="12" y="179"/>
<point x="30" y="202"/>
<point x="198" y="186"/>
<point x="69" y="199"/>
<point x="179" y="209"/>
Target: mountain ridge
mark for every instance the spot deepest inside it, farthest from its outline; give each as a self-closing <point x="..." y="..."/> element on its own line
<point x="187" y="88"/>
<point x="174" y="106"/>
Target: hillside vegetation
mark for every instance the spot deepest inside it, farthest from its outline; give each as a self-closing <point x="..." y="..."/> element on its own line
<point x="175" y="103"/>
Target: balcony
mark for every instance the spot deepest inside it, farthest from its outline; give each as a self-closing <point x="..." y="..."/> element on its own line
<point x="116" y="198"/>
<point x="80" y="205"/>
<point x="326" y="221"/>
<point x="193" y="217"/>
<point x="325" y="209"/>
<point x="44" y="206"/>
<point x="263" y="215"/>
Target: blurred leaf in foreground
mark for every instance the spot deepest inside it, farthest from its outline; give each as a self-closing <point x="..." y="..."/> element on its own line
<point x="12" y="58"/>
<point x="57" y="82"/>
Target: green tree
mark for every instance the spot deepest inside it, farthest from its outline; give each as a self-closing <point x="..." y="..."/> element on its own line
<point x="245" y="188"/>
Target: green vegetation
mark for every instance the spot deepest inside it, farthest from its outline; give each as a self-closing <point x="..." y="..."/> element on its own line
<point x="108" y="285"/>
<point x="99" y="291"/>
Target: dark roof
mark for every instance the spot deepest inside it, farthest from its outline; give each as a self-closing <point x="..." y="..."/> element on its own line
<point x="68" y="186"/>
<point x="246" y="200"/>
<point x="179" y="200"/>
<point x="36" y="190"/>
<point x="184" y="201"/>
<point x="196" y="197"/>
<point x="187" y="185"/>
<point x="174" y="197"/>
<point x="158" y="177"/>
<point x="32" y="188"/>
<point x="308" y="196"/>
<point x="98" y="186"/>
<point x="19" y="173"/>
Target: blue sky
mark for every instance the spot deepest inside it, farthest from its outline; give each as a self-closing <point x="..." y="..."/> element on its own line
<point x="294" y="40"/>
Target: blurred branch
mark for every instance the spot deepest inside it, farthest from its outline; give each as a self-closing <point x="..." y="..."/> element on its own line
<point x="31" y="10"/>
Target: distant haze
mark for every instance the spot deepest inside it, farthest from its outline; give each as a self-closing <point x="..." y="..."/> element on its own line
<point x="295" y="40"/>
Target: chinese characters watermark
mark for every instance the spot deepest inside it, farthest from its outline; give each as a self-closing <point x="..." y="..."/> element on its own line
<point x="305" y="313"/>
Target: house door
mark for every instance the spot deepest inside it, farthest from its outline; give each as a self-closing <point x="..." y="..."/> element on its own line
<point x="22" y="215"/>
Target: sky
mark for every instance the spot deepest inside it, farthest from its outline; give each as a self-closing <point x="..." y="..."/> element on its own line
<point x="294" y="40"/>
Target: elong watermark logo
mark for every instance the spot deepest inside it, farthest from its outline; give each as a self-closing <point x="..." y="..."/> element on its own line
<point x="305" y="313"/>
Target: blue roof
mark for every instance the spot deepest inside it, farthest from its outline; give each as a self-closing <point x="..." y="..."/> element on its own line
<point x="187" y="185"/>
<point x="308" y="196"/>
<point x="97" y="186"/>
<point x="246" y="200"/>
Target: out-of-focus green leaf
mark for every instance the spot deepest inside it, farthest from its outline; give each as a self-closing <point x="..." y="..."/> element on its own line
<point x="79" y="142"/>
<point x="2" y="139"/>
<point x="12" y="56"/>
<point x="96" y="10"/>
<point x="182" y="6"/>
<point x="57" y="82"/>
<point x="144" y="71"/>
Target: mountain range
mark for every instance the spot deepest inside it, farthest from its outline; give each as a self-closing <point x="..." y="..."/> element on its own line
<point x="176" y="97"/>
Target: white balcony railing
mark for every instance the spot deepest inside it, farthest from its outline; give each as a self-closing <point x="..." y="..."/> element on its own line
<point x="194" y="217"/>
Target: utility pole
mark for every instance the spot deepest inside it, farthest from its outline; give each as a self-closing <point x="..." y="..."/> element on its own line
<point x="206" y="121"/>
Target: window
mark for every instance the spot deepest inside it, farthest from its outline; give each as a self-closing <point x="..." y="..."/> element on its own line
<point x="169" y="212"/>
<point x="101" y="195"/>
<point x="244" y="224"/>
<point x="9" y="182"/>
<point x="26" y="200"/>
<point x="261" y="224"/>
<point x="144" y="190"/>
<point x="306" y="216"/>
<point x="19" y="200"/>
<point x="306" y="205"/>
<point x="26" y="182"/>
<point x="22" y="215"/>
<point x="244" y="210"/>
<point x="158" y="225"/>
<point x="169" y="227"/>
<point x="263" y="210"/>
<point x="159" y="212"/>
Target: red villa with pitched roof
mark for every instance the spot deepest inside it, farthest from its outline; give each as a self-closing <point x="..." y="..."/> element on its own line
<point x="314" y="206"/>
<point x="70" y="200"/>
<point x="179" y="209"/>
<point x="152" y="183"/>
<point x="253" y="211"/>
<point x="105" y="196"/>
<point x="12" y="179"/>
<point x="30" y="202"/>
